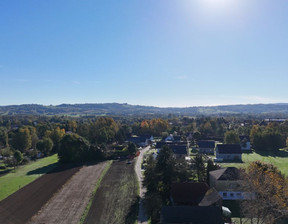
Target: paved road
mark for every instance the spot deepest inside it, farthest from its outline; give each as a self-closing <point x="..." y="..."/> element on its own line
<point x="142" y="218"/>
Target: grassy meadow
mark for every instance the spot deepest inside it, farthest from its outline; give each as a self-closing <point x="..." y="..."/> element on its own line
<point x="116" y="199"/>
<point x="278" y="159"/>
<point x="24" y="175"/>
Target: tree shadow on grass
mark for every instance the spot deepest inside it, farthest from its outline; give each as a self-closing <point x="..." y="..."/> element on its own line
<point x="132" y="214"/>
<point x="44" y="169"/>
<point x="275" y="153"/>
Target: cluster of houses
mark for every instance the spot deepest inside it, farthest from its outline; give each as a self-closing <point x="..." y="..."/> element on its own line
<point x="201" y="202"/>
<point x="223" y="152"/>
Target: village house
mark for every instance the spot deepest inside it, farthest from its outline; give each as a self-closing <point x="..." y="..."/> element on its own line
<point x="229" y="183"/>
<point x="228" y="152"/>
<point x="194" y="194"/>
<point x="191" y="214"/>
<point x="141" y="141"/>
<point x="245" y="143"/>
<point x="180" y="150"/>
<point x="172" y="138"/>
<point x="206" y="147"/>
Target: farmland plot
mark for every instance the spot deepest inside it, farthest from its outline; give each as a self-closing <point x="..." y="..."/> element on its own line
<point x="19" y="207"/>
<point x="67" y="206"/>
<point x="116" y="195"/>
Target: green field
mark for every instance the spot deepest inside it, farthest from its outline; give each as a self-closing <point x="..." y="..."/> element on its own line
<point x="116" y="199"/>
<point x="278" y="159"/>
<point x="24" y="175"/>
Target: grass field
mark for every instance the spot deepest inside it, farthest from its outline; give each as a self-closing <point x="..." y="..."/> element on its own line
<point x="278" y="159"/>
<point x="24" y="175"/>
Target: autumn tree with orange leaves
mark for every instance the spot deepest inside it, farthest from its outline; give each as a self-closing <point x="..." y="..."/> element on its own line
<point x="154" y="127"/>
<point x="270" y="204"/>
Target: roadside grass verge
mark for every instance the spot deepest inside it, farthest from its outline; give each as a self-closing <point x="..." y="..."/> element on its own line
<point x="278" y="159"/>
<point x="24" y="175"/>
<point x="88" y="206"/>
<point x="116" y="199"/>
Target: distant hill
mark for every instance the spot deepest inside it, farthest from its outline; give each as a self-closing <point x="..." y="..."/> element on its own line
<point x="127" y="109"/>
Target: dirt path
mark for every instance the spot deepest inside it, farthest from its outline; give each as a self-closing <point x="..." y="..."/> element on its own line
<point x="142" y="218"/>
<point x="67" y="206"/>
<point x="19" y="207"/>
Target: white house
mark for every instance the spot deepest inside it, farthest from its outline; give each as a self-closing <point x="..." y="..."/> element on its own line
<point x="229" y="184"/>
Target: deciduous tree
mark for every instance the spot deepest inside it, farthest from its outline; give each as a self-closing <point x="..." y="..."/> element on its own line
<point x="231" y="137"/>
<point x="271" y="194"/>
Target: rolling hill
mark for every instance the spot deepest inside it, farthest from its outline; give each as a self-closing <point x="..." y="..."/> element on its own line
<point x="127" y="109"/>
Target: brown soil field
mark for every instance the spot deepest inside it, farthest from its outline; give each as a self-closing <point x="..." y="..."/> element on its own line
<point x="19" y="207"/>
<point x="116" y="197"/>
<point x="68" y="205"/>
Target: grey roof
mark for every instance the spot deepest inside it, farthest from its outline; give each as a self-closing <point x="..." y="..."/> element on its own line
<point x="211" y="197"/>
<point x="206" y="144"/>
<point x="229" y="148"/>
<point x="191" y="214"/>
<point x="228" y="173"/>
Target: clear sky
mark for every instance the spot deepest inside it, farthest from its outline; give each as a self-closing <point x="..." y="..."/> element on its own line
<point x="145" y="52"/>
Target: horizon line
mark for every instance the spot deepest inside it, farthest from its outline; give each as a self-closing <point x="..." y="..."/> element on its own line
<point x="214" y="105"/>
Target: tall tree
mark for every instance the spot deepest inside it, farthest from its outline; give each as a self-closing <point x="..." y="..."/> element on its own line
<point x="3" y="137"/>
<point x="210" y="167"/>
<point x="22" y="140"/>
<point x="73" y="148"/>
<point x="199" y="167"/>
<point x="132" y="148"/>
<point x="271" y="194"/>
<point x="231" y="137"/>
<point x="45" y="146"/>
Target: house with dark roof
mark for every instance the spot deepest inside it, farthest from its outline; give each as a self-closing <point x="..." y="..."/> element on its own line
<point x="228" y="152"/>
<point x="141" y="141"/>
<point x="245" y="143"/>
<point x="206" y="147"/>
<point x="229" y="183"/>
<point x="191" y="214"/>
<point x="180" y="150"/>
<point x="194" y="194"/>
<point x="172" y="138"/>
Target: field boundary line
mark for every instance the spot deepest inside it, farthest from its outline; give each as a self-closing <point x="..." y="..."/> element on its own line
<point x="88" y="206"/>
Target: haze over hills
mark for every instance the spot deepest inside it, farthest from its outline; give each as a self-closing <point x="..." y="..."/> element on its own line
<point x="127" y="109"/>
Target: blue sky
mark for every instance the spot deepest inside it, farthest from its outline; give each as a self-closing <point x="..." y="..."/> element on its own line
<point x="162" y="53"/>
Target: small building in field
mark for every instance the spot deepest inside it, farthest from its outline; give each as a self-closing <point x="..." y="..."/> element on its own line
<point x="228" y="152"/>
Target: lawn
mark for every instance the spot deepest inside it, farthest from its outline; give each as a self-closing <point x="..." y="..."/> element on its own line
<point x="24" y="175"/>
<point x="278" y="159"/>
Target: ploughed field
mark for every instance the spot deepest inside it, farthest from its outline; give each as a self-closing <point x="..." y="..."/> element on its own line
<point x="19" y="207"/>
<point x="56" y="197"/>
<point x="67" y="206"/>
<point x="116" y="198"/>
